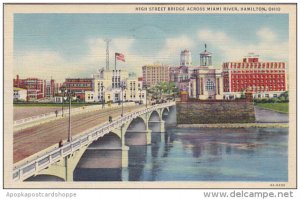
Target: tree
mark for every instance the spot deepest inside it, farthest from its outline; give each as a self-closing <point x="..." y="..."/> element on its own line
<point x="285" y="95"/>
<point x="166" y="88"/>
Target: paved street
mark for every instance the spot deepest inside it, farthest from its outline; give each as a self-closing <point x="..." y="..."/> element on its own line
<point x="34" y="139"/>
<point x="25" y="112"/>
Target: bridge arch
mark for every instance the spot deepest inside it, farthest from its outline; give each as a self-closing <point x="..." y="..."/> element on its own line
<point x="154" y="116"/>
<point x="165" y="112"/>
<point x="135" y="133"/>
<point x="45" y="177"/>
<point x="138" y="123"/>
<point x="110" y="141"/>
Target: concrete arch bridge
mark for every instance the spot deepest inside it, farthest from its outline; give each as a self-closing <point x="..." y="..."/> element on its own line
<point x="109" y="138"/>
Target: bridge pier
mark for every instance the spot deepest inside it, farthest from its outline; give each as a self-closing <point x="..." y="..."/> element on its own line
<point x="162" y="126"/>
<point x="148" y="136"/>
<point x="68" y="169"/>
<point x="65" y="167"/>
<point x="125" y="156"/>
<point x="125" y="174"/>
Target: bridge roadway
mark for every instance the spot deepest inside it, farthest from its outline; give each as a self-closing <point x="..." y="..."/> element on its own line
<point x="32" y="140"/>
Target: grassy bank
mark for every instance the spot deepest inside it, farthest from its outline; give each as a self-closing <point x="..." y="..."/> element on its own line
<point x="279" y="107"/>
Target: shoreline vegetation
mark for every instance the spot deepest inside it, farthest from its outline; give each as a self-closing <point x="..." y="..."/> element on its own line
<point x="235" y="125"/>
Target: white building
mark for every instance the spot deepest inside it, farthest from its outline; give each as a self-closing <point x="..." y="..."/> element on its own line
<point x="115" y="86"/>
<point x="20" y="94"/>
<point x="206" y="81"/>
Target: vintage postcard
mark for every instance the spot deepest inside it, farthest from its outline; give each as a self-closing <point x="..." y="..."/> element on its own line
<point x="150" y="96"/>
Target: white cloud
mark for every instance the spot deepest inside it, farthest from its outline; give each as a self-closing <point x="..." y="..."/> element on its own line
<point x="265" y="34"/>
<point x="172" y="48"/>
<point x="42" y="64"/>
<point x="268" y="47"/>
<point x="97" y="54"/>
<point x="47" y="64"/>
<point x="97" y="49"/>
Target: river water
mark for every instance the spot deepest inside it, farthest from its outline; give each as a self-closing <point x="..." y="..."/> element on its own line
<point x="193" y="154"/>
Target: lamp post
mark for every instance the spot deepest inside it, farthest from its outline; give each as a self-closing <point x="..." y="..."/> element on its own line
<point x="140" y="95"/>
<point x="160" y="96"/>
<point x="63" y="89"/>
<point x="102" y="96"/>
<point x="123" y="86"/>
<point x="169" y="89"/>
<point x="69" y="126"/>
<point x="146" y="95"/>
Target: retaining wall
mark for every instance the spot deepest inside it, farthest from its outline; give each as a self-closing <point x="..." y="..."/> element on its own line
<point x="212" y="112"/>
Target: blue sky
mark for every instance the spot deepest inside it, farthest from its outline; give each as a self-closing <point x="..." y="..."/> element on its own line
<point x="71" y="45"/>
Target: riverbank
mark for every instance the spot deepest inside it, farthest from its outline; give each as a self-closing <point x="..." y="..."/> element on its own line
<point x="236" y="125"/>
<point x="278" y="107"/>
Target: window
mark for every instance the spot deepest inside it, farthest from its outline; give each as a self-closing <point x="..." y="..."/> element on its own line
<point x="209" y="85"/>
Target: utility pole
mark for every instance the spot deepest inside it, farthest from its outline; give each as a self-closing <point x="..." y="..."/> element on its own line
<point x="107" y="52"/>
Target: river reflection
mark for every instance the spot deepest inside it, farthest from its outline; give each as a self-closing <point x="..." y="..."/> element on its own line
<point x="251" y="154"/>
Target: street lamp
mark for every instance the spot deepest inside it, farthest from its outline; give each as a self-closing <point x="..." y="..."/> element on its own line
<point x="160" y="91"/>
<point x="63" y="89"/>
<point x="140" y="95"/>
<point x="170" y="76"/>
<point x="102" y="95"/>
<point x="146" y="95"/>
<point x="69" y="95"/>
<point x="123" y="86"/>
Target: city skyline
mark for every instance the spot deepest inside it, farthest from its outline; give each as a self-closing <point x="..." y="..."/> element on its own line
<point x="72" y="45"/>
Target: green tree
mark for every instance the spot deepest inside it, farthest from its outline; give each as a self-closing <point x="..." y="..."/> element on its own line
<point x="285" y="95"/>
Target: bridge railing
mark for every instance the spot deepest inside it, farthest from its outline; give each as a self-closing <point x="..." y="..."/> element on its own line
<point x="66" y="111"/>
<point x="32" y="167"/>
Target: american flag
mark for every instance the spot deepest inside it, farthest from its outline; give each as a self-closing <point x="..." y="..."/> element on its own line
<point x="120" y="57"/>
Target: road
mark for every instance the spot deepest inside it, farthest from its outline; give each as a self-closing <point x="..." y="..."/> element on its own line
<point x="25" y="112"/>
<point x="35" y="139"/>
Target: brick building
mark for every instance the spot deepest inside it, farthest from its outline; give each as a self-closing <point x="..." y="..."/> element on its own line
<point x="265" y="79"/>
<point x="154" y="74"/>
<point x="78" y="86"/>
<point x="34" y="86"/>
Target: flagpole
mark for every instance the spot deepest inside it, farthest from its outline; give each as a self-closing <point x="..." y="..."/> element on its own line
<point x="115" y="63"/>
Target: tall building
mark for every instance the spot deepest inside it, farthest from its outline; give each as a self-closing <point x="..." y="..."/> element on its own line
<point x="154" y="74"/>
<point x="186" y="58"/>
<point x="49" y="88"/>
<point x="107" y="85"/>
<point x="206" y="82"/>
<point x="34" y="86"/>
<point x="115" y="86"/>
<point x="266" y="79"/>
<point x="57" y="87"/>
